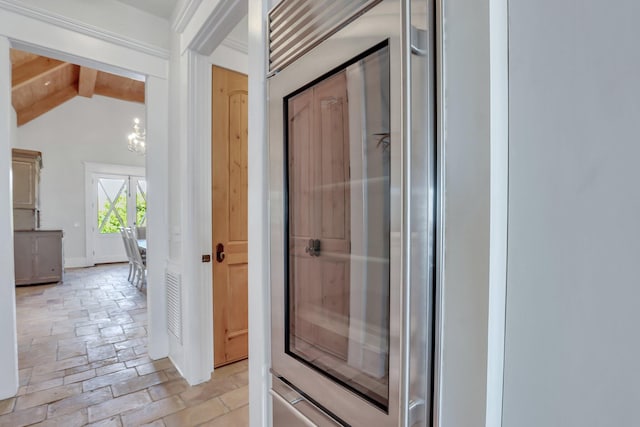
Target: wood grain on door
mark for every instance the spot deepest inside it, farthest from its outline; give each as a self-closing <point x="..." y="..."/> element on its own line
<point x="229" y="126"/>
<point x="319" y="217"/>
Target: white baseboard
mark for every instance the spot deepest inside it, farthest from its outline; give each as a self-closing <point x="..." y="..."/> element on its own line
<point x="76" y="262"/>
<point x="109" y="259"/>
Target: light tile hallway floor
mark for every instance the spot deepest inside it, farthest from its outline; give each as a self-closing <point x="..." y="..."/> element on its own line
<point x="83" y="361"/>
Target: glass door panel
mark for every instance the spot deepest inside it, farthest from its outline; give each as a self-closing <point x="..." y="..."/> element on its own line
<point x="112" y="204"/>
<point x="141" y="202"/>
<point x="118" y="201"/>
<point x="339" y="225"/>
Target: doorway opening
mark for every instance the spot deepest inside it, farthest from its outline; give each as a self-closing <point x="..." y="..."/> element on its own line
<point x="116" y="60"/>
<point x="116" y="201"/>
<point x="115" y="196"/>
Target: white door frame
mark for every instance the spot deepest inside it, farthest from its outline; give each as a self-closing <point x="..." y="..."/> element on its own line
<point x="8" y="333"/>
<point x="29" y="28"/>
<point x="199" y="37"/>
<point x="201" y="32"/>
<point x="91" y="169"/>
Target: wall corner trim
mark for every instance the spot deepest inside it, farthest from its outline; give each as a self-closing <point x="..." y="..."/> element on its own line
<point x="181" y="17"/>
<point x="217" y="25"/>
<point x="236" y="44"/>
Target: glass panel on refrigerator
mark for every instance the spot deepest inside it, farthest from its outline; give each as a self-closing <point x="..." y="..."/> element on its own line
<point x="338" y="210"/>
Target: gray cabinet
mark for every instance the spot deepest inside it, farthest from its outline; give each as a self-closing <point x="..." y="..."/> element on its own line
<point x="25" y="167"/>
<point x="38" y="256"/>
<point x="26" y="176"/>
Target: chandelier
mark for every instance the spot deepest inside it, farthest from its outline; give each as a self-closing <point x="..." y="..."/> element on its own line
<point x="137" y="138"/>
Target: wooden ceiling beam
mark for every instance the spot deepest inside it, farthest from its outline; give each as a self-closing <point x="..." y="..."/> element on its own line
<point x="87" y="82"/>
<point x="47" y="104"/>
<point x="40" y="84"/>
<point x="19" y="57"/>
<point x="28" y="72"/>
<point x="121" y="95"/>
<point x="119" y="87"/>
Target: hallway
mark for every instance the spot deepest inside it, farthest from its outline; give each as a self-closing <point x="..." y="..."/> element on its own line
<point x="83" y="361"/>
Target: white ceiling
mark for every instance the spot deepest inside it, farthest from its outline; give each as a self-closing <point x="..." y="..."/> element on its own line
<point x="161" y="8"/>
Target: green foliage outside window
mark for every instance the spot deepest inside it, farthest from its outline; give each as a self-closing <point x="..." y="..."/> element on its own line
<point x="141" y="211"/>
<point x="114" y="222"/>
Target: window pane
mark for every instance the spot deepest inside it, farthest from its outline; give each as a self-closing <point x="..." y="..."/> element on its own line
<point x="112" y="205"/>
<point x="141" y="203"/>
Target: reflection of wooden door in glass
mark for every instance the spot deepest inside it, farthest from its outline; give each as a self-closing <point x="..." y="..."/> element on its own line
<point x="319" y="217"/>
<point x="229" y="179"/>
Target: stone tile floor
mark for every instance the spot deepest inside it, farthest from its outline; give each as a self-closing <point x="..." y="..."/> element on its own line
<point x="83" y="361"/>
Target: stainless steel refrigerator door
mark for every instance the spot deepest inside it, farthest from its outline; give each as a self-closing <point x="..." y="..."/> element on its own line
<point x="411" y="191"/>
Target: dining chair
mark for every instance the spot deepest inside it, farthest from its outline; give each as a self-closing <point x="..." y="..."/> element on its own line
<point x="127" y="248"/>
<point x="141" y="232"/>
<point x="140" y="266"/>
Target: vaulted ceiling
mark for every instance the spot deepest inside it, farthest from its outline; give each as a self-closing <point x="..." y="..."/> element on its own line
<point x="40" y="84"/>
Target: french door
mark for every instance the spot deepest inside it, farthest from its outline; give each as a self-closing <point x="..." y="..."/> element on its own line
<point x="118" y="201"/>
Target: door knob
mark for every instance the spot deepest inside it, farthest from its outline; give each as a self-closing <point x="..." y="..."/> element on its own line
<point x="220" y="252"/>
<point x="313" y="247"/>
<point x="309" y="248"/>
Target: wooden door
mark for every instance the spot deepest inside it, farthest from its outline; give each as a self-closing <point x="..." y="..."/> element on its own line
<point x="229" y="125"/>
<point x="302" y="217"/>
<point x="333" y="214"/>
<point x="319" y="209"/>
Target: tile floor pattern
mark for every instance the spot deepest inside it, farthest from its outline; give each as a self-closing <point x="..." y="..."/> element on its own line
<point x="83" y="361"/>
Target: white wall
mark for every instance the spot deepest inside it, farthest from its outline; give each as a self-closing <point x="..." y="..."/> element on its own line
<point x="474" y="145"/>
<point x="157" y="165"/>
<point x="176" y="89"/>
<point x="572" y="346"/>
<point x="80" y="130"/>
<point x="231" y="59"/>
<point x="232" y="53"/>
<point x="112" y="16"/>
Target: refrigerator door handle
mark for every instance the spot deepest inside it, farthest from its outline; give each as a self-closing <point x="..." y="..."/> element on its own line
<point x="418" y="41"/>
<point x="419" y="192"/>
<point x="299" y="406"/>
<point x="416" y="411"/>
